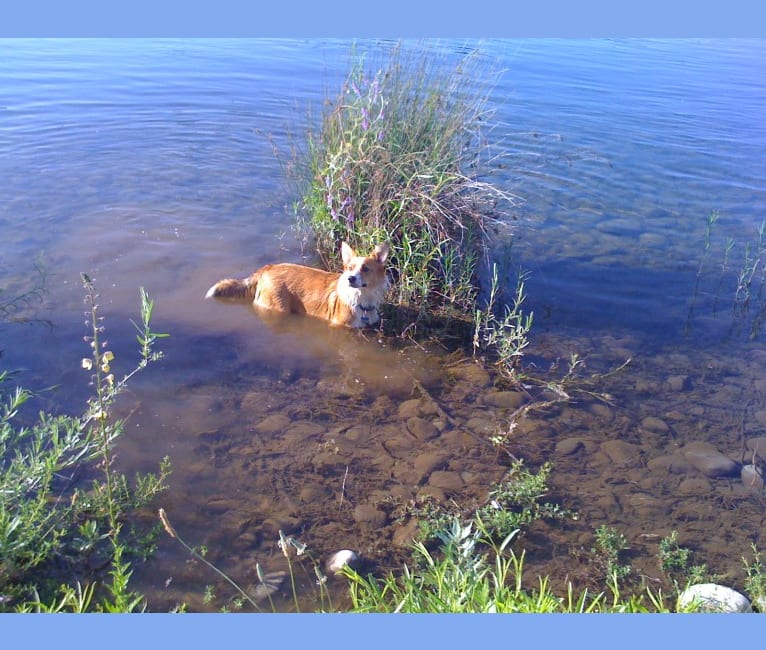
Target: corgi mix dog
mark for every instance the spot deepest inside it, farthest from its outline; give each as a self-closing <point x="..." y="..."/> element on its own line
<point x="349" y="299"/>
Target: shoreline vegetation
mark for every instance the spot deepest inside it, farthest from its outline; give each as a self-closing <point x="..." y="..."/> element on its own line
<point x="400" y="156"/>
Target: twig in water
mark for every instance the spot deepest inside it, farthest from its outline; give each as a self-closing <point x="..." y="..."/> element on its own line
<point x="343" y="489"/>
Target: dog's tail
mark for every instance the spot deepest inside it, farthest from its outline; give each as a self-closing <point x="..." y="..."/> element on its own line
<point x="235" y="289"/>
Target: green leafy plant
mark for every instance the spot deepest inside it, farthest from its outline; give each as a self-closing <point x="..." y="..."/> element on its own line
<point x="505" y="336"/>
<point x="515" y="503"/>
<point x="676" y="563"/>
<point x="610" y="544"/>
<point x="46" y="520"/>
<point x="755" y="579"/>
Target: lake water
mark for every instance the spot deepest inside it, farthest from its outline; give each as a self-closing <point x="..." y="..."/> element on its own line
<point x="160" y="163"/>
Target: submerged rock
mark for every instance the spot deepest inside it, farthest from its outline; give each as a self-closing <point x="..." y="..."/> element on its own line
<point x="447" y="481"/>
<point x="273" y="424"/>
<point x="428" y="462"/>
<point x="369" y="515"/>
<point x="708" y="460"/>
<point x="621" y="453"/>
<point x="671" y="463"/>
<point x="678" y="383"/>
<point x="654" y="424"/>
<point x="694" y="487"/>
<point x="422" y="429"/>
<point x="569" y="446"/>
<point x="710" y="597"/>
<point x="508" y="399"/>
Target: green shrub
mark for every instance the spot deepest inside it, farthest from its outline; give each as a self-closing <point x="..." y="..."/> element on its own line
<point x="48" y="526"/>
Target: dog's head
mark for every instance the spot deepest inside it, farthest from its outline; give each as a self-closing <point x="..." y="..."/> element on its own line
<point x="364" y="272"/>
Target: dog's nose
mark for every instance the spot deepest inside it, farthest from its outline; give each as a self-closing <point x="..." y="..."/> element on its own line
<point x="352" y="280"/>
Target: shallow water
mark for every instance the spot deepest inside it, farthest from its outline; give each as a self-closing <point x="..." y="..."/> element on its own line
<point x="151" y="163"/>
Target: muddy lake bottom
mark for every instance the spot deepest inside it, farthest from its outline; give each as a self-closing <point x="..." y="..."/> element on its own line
<point x="337" y="445"/>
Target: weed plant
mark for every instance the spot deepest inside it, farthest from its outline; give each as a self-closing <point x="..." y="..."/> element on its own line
<point x="746" y="295"/>
<point x="51" y="527"/>
<point x="399" y="158"/>
<point x="755" y="579"/>
<point x="610" y="545"/>
<point x="676" y="563"/>
<point x="472" y="573"/>
<point x="512" y="505"/>
<point x="504" y="336"/>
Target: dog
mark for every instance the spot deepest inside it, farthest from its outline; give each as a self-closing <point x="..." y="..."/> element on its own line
<point x="349" y="299"/>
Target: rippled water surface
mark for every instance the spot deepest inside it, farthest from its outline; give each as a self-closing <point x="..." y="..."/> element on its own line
<point x="163" y="164"/>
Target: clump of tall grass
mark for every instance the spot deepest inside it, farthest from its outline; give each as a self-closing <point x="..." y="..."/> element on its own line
<point x="398" y="158"/>
<point x="746" y="280"/>
<point x="50" y="527"/>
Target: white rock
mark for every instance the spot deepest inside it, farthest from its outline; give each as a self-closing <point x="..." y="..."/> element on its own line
<point x="710" y="597"/>
<point x="340" y="559"/>
<point x="752" y="478"/>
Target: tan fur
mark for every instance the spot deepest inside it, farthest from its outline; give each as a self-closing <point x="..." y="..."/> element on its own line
<point x="349" y="299"/>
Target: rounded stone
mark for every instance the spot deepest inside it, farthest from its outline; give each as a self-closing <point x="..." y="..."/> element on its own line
<point x="369" y="515"/>
<point x="677" y="383"/>
<point x="708" y="460"/>
<point x="710" y="597"/>
<point x="601" y="411"/>
<point x="621" y="453"/>
<point x="670" y="463"/>
<point x="471" y="373"/>
<point x="343" y="558"/>
<point x="409" y="409"/>
<point x="693" y="486"/>
<point x="654" y="424"/>
<point x="426" y="463"/>
<point x="273" y="424"/>
<point x="509" y="399"/>
<point x="752" y="478"/>
<point x="569" y="446"/>
<point x="422" y="429"/>
<point x="447" y="481"/>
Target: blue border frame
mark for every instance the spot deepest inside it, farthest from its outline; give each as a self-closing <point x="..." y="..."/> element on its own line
<point x="392" y="18"/>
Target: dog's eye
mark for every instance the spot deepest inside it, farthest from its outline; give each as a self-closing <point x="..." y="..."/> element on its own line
<point x="365" y="268"/>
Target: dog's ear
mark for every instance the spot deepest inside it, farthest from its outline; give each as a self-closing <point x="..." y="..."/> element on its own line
<point x="346" y="252"/>
<point x="381" y="253"/>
